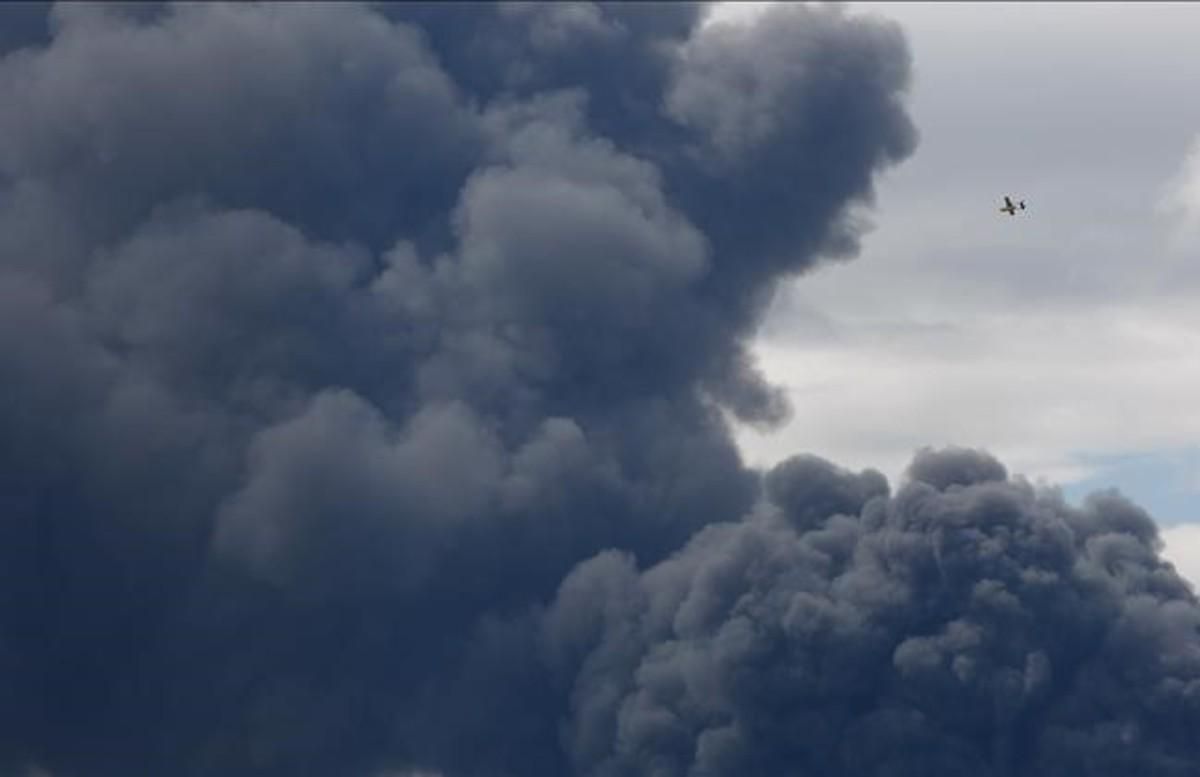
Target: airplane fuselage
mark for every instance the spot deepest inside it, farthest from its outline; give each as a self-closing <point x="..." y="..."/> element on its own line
<point x="1010" y="207"/>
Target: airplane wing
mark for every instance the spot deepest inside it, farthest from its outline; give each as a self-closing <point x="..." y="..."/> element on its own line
<point x="1007" y="201"/>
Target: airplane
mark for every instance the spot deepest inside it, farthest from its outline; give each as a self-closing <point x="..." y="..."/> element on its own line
<point x="1011" y="209"/>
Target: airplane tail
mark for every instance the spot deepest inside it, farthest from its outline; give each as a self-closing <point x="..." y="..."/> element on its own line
<point x="1022" y="204"/>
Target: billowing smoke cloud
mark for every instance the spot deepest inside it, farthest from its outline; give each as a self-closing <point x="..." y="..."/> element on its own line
<point x="364" y="372"/>
<point x="967" y="625"/>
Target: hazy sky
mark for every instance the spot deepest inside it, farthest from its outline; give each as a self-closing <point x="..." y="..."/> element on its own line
<point x="1066" y="340"/>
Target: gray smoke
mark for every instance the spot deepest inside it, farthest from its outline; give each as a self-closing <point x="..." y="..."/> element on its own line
<point x="969" y="624"/>
<point x="364" y="372"/>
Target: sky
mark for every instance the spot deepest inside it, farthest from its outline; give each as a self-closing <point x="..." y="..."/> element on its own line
<point x="1063" y="340"/>
<point x="375" y="378"/>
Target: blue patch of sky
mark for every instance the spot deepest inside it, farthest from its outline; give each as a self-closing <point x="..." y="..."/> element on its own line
<point x="1164" y="483"/>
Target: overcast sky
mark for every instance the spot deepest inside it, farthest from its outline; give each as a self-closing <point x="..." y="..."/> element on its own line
<point x="1064" y="340"/>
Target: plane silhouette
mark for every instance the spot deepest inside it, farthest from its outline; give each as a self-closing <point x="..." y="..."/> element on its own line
<point x="1011" y="209"/>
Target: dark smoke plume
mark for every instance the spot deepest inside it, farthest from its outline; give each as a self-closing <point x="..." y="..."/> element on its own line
<point x="364" y="373"/>
<point x="967" y="625"/>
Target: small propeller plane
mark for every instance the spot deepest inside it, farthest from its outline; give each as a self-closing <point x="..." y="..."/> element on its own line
<point x="1011" y="209"/>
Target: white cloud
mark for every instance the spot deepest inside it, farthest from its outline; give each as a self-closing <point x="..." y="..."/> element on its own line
<point x="736" y="13"/>
<point x="1037" y="389"/>
<point x="1182" y="548"/>
<point x="1181" y="199"/>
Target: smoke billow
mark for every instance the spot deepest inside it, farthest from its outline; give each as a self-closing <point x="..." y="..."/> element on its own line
<point x="365" y="369"/>
<point x="967" y="625"/>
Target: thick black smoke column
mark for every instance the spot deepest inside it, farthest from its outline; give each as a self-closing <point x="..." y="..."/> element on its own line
<point x="967" y="625"/>
<point x="361" y="373"/>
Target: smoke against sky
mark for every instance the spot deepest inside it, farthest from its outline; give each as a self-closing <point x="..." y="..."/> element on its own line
<point x="1062" y="341"/>
<point x="366" y="375"/>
